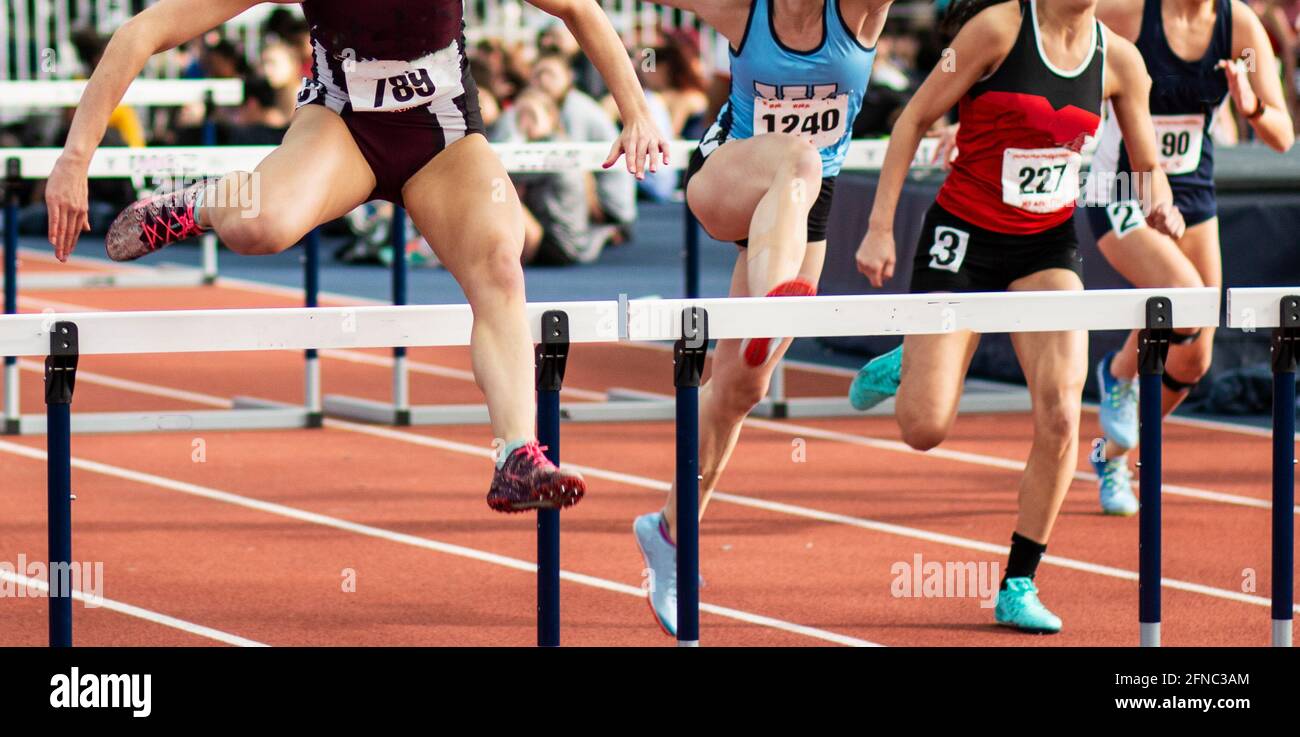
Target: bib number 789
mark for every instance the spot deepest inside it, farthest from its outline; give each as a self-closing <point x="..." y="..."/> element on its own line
<point x="403" y="87"/>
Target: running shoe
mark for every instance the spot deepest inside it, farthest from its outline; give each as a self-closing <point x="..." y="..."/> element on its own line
<point x="153" y="223"/>
<point x="1018" y="607"/>
<point x="661" y="569"/>
<point x="1116" y="482"/>
<point x="758" y="351"/>
<point x="877" y="380"/>
<point x="528" y="480"/>
<point x="1119" y="406"/>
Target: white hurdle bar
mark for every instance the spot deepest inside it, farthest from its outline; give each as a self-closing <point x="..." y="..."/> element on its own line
<point x="36" y="94"/>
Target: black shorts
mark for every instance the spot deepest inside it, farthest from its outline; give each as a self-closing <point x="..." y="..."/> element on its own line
<point x="818" y="216"/>
<point x="396" y="145"/>
<point x="955" y="256"/>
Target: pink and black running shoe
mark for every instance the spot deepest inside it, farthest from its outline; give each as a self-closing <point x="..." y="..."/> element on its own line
<point x="153" y="223"/>
<point x="528" y="480"/>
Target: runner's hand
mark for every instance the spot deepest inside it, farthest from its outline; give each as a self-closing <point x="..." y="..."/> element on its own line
<point x="66" y="199"/>
<point x="639" y="141"/>
<point x="876" y="257"/>
<point x="1166" y="218"/>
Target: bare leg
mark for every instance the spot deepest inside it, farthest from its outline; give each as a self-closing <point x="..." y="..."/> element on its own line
<point x="1055" y="366"/>
<point x="464" y="201"/>
<point x="731" y="392"/>
<point x="930" y="385"/>
<point x="1150" y="259"/>
<point x="760" y="188"/>
<point x="316" y="175"/>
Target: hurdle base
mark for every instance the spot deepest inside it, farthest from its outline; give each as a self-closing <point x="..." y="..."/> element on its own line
<point x="269" y="418"/>
<point x="1150" y="636"/>
<point x="159" y="278"/>
<point x="13" y="426"/>
<point x="1282" y="632"/>
<point x="688" y="643"/>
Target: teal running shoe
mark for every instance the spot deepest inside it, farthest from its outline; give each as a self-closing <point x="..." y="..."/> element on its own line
<point x="660" y="556"/>
<point x="877" y="380"/>
<point x="1018" y="606"/>
<point x="1116" y="482"/>
<point x="1119" y="406"/>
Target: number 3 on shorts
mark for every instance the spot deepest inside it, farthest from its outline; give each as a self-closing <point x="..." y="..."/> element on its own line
<point x="949" y="248"/>
<point x="1125" y="217"/>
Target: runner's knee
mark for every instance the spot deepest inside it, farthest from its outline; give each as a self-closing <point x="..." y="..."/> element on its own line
<point x="258" y="236"/>
<point x="496" y="273"/>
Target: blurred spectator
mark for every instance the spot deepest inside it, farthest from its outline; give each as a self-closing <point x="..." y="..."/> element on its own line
<point x="223" y="59"/>
<point x="674" y="71"/>
<point x="558" y="39"/>
<point x="556" y="227"/>
<point x="1281" y="19"/>
<point x="260" y="121"/>
<point x="613" y="198"/>
<point x="497" y="77"/>
<point x="282" y="70"/>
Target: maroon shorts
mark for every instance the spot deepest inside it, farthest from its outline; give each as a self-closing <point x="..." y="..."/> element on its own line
<point x="396" y="145"/>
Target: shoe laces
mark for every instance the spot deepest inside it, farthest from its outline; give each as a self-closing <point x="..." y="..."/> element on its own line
<point x="536" y="453"/>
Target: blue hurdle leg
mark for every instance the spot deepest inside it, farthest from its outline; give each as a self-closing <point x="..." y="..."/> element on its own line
<point x="11" y="411"/>
<point x="311" y="298"/>
<point x="1151" y="417"/>
<point x="1283" y="505"/>
<point x="60" y="378"/>
<point x="688" y="366"/>
<point x="1286" y="346"/>
<point x="401" y="387"/>
<point x="548" y="528"/>
<point x="552" y="356"/>
<point x="59" y="501"/>
<point x="691" y="255"/>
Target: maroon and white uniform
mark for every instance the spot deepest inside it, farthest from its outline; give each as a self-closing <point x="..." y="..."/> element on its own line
<point x="396" y="71"/>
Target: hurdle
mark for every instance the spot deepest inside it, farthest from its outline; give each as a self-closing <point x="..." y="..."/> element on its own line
<point x="39" y="94"/>
<point x="64" y="338"/>
<point x="691" y="323"/>
<point x="1278" y="308"/>
<point x="113" y="162"/>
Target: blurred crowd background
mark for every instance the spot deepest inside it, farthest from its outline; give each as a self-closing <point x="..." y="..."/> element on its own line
<point x="534" y="85"/>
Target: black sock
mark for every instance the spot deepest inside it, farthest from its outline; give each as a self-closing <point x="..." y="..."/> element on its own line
<point x="1024" y="557"/>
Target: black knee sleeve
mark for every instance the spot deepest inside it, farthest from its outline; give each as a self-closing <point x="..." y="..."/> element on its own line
<point x="1175" y="385"/>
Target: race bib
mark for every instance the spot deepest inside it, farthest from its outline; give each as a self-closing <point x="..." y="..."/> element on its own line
<point x="1178" y="142"/>
<point x="390" y="86"/>
<point x="821" y="122"/>
<point x="1040" y="180"/>
<point x="949" y="248"/>
<point x="1125" y="217"/>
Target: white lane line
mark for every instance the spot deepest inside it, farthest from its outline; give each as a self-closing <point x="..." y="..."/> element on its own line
<point x="483" y="556"/>
<point x="814" y="514"/>
<point x="131" y="610"/>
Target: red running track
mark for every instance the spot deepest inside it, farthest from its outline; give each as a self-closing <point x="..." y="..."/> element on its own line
<point x="252" y="537"/>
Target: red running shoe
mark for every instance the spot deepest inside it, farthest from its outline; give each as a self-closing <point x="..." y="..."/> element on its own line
<point x="152" y="223"/>
<point x="758" y="351"/>
<point x="528" y="480"/>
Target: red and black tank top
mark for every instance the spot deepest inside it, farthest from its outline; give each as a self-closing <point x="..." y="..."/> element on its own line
<point x="1022" y="132"/>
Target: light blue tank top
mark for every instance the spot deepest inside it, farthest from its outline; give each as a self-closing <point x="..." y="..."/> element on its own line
<point x="815" y="94"/>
